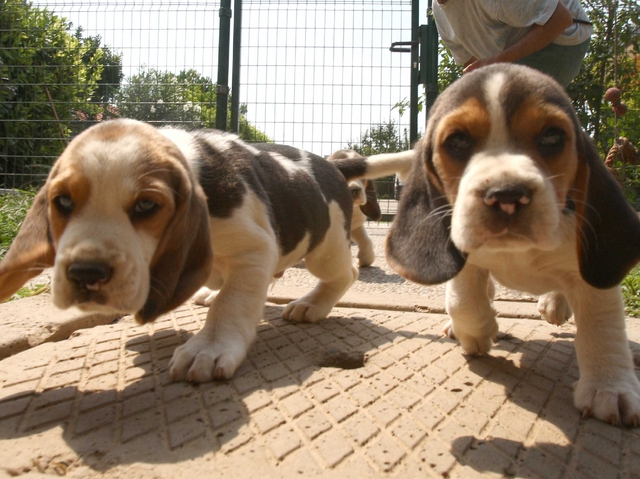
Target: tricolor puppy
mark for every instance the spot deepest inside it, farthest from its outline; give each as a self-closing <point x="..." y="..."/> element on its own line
<point x="508" y="186"/>
<point x="365" y="205"/>
<point x="135" y="219"/>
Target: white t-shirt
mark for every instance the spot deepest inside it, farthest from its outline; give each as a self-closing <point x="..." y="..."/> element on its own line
<point x="483" y="28"/>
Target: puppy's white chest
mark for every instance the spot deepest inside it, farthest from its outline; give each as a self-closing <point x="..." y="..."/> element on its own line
<point x="534" y="271"/>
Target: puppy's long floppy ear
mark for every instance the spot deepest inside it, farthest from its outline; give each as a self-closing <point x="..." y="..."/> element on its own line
<point x="371" y="208"/>
<point x="609" y="234"/>
<point x="184" y="258"/>
<point x="419" y="245"/>
<point x="32" y="250"/>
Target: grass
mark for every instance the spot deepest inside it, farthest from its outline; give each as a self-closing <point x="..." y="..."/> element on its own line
<point x="631" y="293"/>
<point x="30" y="290"/>
<point x="14" y="206"/>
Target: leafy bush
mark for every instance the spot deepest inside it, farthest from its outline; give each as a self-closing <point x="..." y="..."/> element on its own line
<point x="41" y="63"/>
<point x="631" y="292"/>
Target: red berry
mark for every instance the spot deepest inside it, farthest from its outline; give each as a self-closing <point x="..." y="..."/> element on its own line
<point x="620" y="109"/>
<point x="613" y="95"/>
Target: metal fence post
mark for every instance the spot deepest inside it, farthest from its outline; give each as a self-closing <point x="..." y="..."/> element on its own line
<point x="235" y="68"/>
<point x="223" y="65"/>
<point x="429" y="60"/>
<point x="415" y="72"/>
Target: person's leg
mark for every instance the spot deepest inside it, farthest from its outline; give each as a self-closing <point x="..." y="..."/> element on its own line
<point x="561" y="62"/>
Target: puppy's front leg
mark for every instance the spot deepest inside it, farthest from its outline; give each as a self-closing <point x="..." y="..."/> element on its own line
<point x="608" y="387"/>
<point x="220" y="347"/>
<point x="473" y="320"/>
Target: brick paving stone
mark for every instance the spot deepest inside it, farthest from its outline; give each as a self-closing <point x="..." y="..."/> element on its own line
<point x="409" y="432"/>
<point x="324" y="391"/>
<point x="436" y="456"/>
<point x="95" y="419"/>
<point x="185" y="431"/>
<point x="268" y="419"/>
<point x="233" y="436"/>
<point x="543" y="463"/>
<point x="346" y="378"/>
<point x="282" y="441"/>
<point x="341" y="407"/>
<point x="384" y="412"/>
<point x="139" y="424"/>
<point x="385" y="452"/>
<point x="489" y="459"/>
<point x="296" y="404"/>
<point x="257" y="400"/>
<point x="313" y="423"/>
<point x="333" y="448"/>
<point x="360" y="428"/>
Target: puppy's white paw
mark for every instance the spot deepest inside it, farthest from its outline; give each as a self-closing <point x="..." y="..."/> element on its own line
<point x="302" y="310"/>
<point x="448" y="330"/>
<point x="201" y="360"/>
<point x="613" y="401"/>
<point x="554" y="308"/>
<point x="471" y="344"/>
<point x="366" y="256"/>
<point x="204" y="296"/>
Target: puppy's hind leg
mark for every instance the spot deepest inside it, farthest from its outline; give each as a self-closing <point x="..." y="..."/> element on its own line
<point x="331" y="263"/>
<point x="554" y="308"/>
<point x="206" y="294"/>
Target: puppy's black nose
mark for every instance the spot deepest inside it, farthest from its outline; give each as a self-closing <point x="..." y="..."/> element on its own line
<point x="88" y="273"/>
<point x="508" y="198"/>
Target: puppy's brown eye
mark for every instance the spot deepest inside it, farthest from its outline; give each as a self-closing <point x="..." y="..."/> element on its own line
<point x="459" y="145"/>
<point x="551" y="141"/>
<point x="63" y="204"/>
<point x="144" y="209"/>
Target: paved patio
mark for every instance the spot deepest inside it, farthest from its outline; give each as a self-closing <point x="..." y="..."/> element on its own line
<point x="101" y="403"/>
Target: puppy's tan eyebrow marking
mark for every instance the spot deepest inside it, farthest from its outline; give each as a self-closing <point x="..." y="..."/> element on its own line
<point x="471" y="117"/>
<point x="533" y="115"/>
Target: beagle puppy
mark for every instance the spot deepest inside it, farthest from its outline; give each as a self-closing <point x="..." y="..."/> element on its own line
<point x="365" y="205"/>
<point x="509" y="187"/>
<point x="135" y="219"/>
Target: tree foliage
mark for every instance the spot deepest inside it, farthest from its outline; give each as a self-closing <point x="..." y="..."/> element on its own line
<point x="612" y="60"/>
<point x="188" y="99"/>
<point x="46" y="72"/>
<point x="381" y="138"/>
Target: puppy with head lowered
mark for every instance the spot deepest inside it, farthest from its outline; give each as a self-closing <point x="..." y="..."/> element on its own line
<point x="135" y="219"/>
<point x="509" y="187"/>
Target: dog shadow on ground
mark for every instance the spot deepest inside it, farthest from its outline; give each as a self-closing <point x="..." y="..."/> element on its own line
<point x="377" y="275"/>
<point x="539" y="386"/>
<point x="118" y="405"/>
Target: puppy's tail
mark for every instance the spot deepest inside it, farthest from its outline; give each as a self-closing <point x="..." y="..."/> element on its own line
<point x="353" y="165"/>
